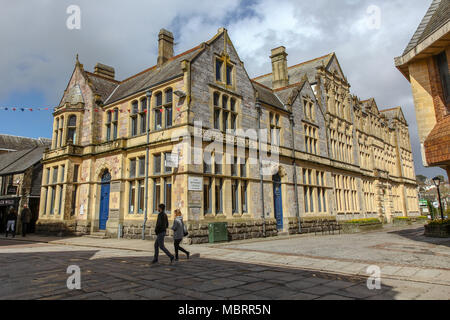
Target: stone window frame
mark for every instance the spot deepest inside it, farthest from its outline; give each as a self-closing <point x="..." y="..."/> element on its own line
<point x="163" y="178"/>
<point x="112" y="124"/>
<point x="226" y="177"/>
<point x="142" y="115"/>
<point x="59" y="132"/>
<point x="162" y="101"/>
<point x="274" y="125"/>
<point x="57" y="186"/>
<point x="230" y="109"/>
<point x="71" y="126"/>
<point x="311" y="139"/>
<point x="134" y="123"/>
<point x="223" y="78"/>
<point x="315" y="191"/>
<point x="136" y="190"/>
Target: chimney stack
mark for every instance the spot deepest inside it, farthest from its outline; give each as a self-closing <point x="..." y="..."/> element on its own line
<point x="165" y="46"/>
<point x="104" y="70"/>
<point x="280" y="76"/>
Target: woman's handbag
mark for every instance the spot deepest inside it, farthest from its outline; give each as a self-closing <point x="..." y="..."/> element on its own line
<point x="185" y="232"/>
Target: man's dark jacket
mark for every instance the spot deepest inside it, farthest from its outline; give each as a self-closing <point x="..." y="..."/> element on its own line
<point x="162" y="223"/>
<point x="25" y="215"/>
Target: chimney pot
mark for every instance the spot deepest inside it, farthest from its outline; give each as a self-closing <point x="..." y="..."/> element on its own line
<point x="104" y="70"/>
<point x="280" y="76"/>
<point x="165" y="46"/>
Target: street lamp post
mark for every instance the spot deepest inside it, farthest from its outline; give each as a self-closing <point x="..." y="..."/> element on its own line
<point x="437" y="182"/>
<point x="261" y="177"/>
<point x="149" y="96"/>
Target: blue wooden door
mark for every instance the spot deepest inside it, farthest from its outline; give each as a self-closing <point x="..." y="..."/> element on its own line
<point x="278" y="203"/>
<point x="104" y="200"/>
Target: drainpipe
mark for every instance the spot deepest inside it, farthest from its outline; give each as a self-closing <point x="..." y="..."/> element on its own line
<point x="149" y="96"/>
<point x="294" y="163"/>
<point x="261" y="177"/>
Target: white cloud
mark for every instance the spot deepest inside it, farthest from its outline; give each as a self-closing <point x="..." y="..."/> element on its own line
<point x="38" y="50"/>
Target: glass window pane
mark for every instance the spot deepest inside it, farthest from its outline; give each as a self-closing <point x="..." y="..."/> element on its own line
<point x="244" y="196"/>
<point x="169" y="96"/>
<point x="168" y="195"/>
<point x="168" y="117"/>
<point x="219" y="207"/>
<point x="134" y="107"/>
<point x="141" y="200"/>
<point x="159" y="99"/>
<point x="141" y="167"/>
<point x="157" y="164"/>
<point x="132" y="168"/>
<point x="132" y="197"/>
<point x="156" y="195"/>
<point x="219" y="64"/>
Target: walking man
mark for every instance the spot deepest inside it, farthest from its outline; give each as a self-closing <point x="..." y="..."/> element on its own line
<point x="179" y="232"/>
<point x="11" y="222"/>
<point x="162" y="223"/>
<point x="25" y="218"/>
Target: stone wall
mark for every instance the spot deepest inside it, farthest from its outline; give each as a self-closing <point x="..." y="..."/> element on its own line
<point x="314" y="224"/>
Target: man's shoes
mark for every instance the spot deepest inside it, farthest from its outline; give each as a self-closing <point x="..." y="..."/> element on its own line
<point x="176" y="258"/>
<point x="188" y="254"/>
<point x="171" y="259"/>
<point x="154" y="261"/>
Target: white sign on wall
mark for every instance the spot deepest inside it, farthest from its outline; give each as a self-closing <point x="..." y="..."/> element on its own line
<point x="171" y="160"/>
<point x="195" y="184"/>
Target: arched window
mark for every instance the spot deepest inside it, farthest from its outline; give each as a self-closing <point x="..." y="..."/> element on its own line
<point x="143" y="115"/>
<point x="72" y="129"/>
<point x="115" y="122"/>
<point x="169" y="108"/>
<point x="158" y="113"/>
<point x="134" y="121"/>
<point x="60" y="131"/>
<point x="55" y="133"/>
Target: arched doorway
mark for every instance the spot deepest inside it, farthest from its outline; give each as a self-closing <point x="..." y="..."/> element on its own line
<point x="104" y="200"/>
<point x="278" y="202"/>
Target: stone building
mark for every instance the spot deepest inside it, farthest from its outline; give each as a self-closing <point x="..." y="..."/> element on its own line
<point x="350" y="159"/>
<point x="425" y="64"/>
<point x="20" y="181"/>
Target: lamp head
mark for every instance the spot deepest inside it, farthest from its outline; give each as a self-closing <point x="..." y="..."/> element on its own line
<point x="436" y="181"/>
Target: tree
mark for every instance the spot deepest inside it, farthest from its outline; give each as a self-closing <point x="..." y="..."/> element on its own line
<point x="421" y="179"/>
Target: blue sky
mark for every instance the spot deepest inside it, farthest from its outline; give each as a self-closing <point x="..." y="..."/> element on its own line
<point x="41" y="50"/>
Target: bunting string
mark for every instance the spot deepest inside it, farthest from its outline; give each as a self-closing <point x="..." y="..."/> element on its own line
<point x="53" y="109"/>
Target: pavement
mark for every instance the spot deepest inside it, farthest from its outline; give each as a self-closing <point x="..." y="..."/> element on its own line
<point x="294" y="267"/>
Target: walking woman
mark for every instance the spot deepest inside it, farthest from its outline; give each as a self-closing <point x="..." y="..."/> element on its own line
<point x="11" y="222"/>
<point x="179" y="232"/>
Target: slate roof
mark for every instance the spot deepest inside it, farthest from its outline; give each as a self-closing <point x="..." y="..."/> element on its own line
<point x="101" y="85"/>
<point x="437" y="15"/>
<point x="297" y="71"/>
<point x="15" y="143"/>
<point x="267" y="96"/>
<point x="19" y="161"/>
<point x="111" y="91"/>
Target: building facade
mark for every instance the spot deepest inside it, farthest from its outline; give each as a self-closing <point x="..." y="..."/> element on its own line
<point x="425" y="64"/>
<point x="324" y="154"/>
<point x="20" y="182"/>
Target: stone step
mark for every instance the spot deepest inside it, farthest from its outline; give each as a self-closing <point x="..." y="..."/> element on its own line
<point x="97" y="235"/>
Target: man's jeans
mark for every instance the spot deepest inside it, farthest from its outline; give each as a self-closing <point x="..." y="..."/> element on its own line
<point x="159" y="244"/>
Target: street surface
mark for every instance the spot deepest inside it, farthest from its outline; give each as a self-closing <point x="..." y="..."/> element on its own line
<point x="293" y="268"/>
